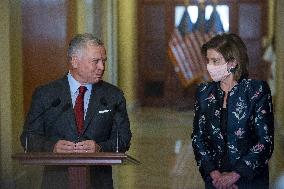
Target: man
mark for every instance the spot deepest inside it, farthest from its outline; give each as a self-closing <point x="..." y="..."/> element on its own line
<point x="79" y="113"/>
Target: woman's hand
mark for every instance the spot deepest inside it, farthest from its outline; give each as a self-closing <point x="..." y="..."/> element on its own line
<point x="227" y="180"/>
<point x="215" y="174"/>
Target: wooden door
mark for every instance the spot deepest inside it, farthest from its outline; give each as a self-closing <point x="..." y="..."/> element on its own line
<point x="252" y="27"/>
<point x="153" y="67"/>
<point x="158" y="83"/>
<point x="47" y="27"/>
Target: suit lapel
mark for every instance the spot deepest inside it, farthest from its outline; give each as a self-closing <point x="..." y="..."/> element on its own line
<point x="94" y="104"/>
<point x="66" y="100"/>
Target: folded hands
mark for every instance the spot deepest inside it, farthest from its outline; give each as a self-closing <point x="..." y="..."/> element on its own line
<point x="225" y="180"/>
<point x="87" y="146"/>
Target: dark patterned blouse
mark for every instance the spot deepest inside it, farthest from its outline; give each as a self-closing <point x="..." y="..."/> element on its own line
<point x="247" y="141"/>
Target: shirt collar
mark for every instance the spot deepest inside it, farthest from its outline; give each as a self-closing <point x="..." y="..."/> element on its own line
<point x="74" y="84"/>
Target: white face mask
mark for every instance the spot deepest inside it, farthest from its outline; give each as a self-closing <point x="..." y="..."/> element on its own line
<point x="219" y="72"/>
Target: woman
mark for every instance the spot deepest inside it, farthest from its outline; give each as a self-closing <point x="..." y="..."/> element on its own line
<point x="233" y="126"/>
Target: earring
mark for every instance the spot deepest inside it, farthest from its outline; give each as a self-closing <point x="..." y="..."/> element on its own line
<point x="232" y="69"/>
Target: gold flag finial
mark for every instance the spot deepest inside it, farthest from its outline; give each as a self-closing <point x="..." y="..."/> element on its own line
<point x="186" y="2"/>
<point x="215" y="2"/>
<point x="202" y="3"/>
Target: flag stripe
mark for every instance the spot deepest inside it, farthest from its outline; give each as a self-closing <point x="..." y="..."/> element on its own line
<point x="184" y="55"/>
<point x="193" y="56"/>
<point x="179" y="54"/>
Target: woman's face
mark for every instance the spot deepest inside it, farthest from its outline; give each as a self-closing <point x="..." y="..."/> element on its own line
<point x="215" y="58"/>
<point x="217" y="67"/>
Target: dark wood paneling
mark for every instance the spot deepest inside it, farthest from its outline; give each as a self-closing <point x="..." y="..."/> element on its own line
<point x="47" y="28"/>
<point x="153" y="69"/>
<point x="250" y="28"/>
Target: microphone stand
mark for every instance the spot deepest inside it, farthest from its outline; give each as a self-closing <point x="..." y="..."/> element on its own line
<point x="117" y="149"/>
<point x="117" y="131"/>
<point x="26" y="143"/>
<point x="54" y="104"/>
<point x="104" y="103"/>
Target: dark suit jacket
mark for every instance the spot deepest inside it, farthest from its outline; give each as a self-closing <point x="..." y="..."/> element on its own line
<point x="248" y="142"/>
<point x="58" y="123"/>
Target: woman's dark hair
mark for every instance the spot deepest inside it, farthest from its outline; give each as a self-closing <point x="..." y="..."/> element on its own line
<point x="232" y="48"/>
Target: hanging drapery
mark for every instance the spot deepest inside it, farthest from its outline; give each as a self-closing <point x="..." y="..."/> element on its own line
<point x="186" y="41"/>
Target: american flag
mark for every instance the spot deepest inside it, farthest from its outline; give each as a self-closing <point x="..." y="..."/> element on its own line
<point x="185" y="43"/>
<point x="179" y="51"/>
<point x="214" y="24"/>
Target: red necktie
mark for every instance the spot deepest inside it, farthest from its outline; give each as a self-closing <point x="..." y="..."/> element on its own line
<point x="79" y="109"/>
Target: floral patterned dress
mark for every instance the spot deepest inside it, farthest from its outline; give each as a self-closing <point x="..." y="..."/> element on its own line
<point x="249" y="135"/>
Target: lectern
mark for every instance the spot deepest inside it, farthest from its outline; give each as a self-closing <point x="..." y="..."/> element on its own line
<point x="78" y="163"/>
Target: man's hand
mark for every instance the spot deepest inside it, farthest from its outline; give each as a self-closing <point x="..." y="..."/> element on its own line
<point x="64" y="146"/>
<point x="227" y="180"/>
<point x="87" y="146"/>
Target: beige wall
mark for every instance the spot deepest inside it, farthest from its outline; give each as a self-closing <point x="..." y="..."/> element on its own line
<point x="5" y="108"/>
<point x="127" y="48"/>
<point x="271" y="19"/>
<point x="279" y="105"/>
<point x="11" y="97"/>
<point x="16" y="73"/>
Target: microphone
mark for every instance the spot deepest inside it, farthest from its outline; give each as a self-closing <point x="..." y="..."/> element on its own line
<point x="53" y="104"/>
<point x="63" y="109"/>
<point x="56" y="102"/>
<point x="233" y="69"/>
<point x="117" y="131"/>
<point x="103" y="101"/>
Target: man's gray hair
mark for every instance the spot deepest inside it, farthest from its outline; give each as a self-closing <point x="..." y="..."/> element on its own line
<point x="80" y="41"/>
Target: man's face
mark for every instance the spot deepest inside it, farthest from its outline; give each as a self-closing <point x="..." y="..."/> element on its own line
<point x="89" y="65"/>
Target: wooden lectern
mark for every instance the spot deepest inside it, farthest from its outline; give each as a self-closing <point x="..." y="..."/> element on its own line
<point x="78" y="163"/>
